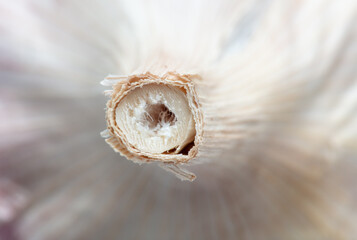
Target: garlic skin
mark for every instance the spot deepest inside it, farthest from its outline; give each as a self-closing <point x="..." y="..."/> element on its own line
<point x="276" y="85"/>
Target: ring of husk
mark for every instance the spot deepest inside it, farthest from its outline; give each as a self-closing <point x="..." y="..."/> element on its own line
<point x="117" y="139"/>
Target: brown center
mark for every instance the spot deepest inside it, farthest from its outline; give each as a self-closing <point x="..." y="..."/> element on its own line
<point x="157" y="115"/>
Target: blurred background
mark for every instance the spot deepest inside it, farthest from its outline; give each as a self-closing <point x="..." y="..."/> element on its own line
<point x="60" y="180"/>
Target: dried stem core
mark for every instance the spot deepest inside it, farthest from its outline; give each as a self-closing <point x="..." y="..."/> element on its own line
<point x="156" y="118"/>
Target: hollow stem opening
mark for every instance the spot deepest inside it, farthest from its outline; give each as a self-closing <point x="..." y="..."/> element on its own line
<point x="157" y="116"/>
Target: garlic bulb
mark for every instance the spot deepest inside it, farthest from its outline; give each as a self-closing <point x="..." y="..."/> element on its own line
<point x="253" y="100"/>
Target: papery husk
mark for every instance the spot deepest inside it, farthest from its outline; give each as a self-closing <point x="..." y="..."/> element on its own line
<point x="277" y="94"/>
